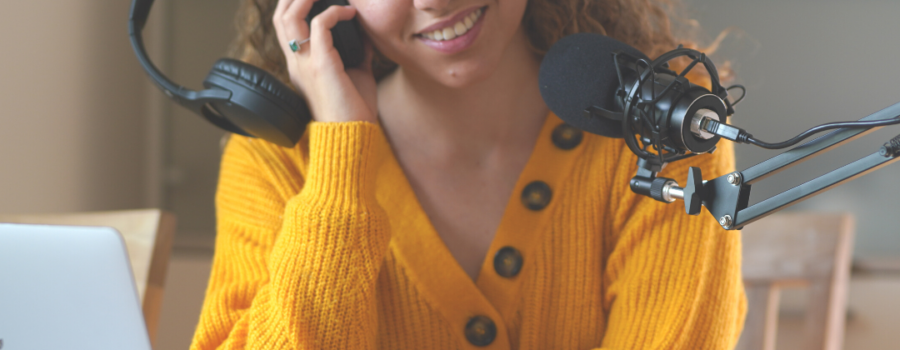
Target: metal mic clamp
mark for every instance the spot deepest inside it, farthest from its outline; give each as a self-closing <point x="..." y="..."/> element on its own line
<point x="646" y="182"/>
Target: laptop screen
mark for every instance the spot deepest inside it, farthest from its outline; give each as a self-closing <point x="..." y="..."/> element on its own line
<point x="66" y="287"/>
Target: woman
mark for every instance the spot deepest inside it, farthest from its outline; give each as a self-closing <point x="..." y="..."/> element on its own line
<point x="443" y="206"/>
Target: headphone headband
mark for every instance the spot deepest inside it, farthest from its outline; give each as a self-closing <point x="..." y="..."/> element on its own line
<point x="197" y="101"/>
<point x="239" y="97"/>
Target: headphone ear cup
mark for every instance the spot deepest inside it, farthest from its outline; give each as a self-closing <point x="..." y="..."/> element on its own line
<point x="260" y="104"/>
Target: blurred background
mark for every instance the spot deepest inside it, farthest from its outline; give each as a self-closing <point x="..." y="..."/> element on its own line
<point x="86" y="131"/>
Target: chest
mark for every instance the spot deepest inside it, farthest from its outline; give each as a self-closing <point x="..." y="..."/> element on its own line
<point x="466" y="206"/>
<point x="470" y="202"/>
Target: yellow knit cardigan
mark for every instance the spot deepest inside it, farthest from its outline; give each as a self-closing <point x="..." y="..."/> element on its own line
<point x="325" y="246"/>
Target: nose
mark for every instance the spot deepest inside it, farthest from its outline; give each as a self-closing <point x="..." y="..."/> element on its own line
<point x="431" y="5"/>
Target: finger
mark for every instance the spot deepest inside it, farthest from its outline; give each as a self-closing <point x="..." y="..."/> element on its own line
<point x="290" y="23"/>
<point x="277" y="22"/>
<point x="320" y="28"/>
<point x="294" y="19"/>
<point x="299" y="9"/>
<point x="281" y="6"/>
<point x="278" y="15"/>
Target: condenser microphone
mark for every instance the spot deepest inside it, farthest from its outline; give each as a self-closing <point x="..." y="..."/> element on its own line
<point x="606" y="87"/>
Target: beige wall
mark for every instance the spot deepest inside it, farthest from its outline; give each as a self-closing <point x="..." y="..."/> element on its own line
<point x="83" y="127"/>
<point x="73" y="106"/>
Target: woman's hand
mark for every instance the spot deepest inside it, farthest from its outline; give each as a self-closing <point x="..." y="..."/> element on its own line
<point x="333" y="93"/>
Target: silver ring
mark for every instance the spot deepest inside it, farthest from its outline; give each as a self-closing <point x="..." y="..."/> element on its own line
<point x="295" y="45"/>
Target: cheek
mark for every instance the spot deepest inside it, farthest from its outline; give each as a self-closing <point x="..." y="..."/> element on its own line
<point x="516" y="12"/>
<point x="383" y="20"/>
<point x="511" y="13"/>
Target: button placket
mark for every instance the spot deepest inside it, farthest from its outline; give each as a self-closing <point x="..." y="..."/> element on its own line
<point x="551" y="163"/>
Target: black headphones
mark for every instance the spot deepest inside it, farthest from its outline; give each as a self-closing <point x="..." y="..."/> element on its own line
<point x="239" y="97"/>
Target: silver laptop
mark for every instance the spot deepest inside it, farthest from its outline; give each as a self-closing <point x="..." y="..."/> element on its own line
<point x="66" y="287"/>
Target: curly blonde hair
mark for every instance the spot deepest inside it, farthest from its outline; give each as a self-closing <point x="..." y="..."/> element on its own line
<point x="644" y="24"/>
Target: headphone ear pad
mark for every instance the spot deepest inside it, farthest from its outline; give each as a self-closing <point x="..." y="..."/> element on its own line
<point x="260" y="103"/>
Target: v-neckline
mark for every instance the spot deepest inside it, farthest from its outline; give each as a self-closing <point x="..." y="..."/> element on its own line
<point x="428" y="262"/>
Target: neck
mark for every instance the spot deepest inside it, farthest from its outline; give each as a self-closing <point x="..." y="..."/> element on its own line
<point x="501" y="111"/>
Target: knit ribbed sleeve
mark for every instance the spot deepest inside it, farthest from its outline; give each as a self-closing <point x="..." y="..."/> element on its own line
<point x="298" y="249"/>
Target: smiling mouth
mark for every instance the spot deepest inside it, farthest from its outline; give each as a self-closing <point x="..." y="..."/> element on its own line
<point x="454" y="30"/>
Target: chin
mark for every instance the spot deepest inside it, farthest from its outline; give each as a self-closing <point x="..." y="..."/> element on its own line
<point x="462" y="74"/>
<point x="456" y="72"/>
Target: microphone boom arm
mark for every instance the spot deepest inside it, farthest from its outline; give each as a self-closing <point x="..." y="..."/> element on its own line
<point x="727" y="197"/>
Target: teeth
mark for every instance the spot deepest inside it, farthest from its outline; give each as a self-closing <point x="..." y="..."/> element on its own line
<point x="460" y="28"/>
<point x="449" y="33"/>
<point x="455" y="30"/>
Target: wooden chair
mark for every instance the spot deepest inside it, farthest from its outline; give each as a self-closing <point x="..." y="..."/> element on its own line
<point x="148" y="237"/>
<point x="797" y="249"/>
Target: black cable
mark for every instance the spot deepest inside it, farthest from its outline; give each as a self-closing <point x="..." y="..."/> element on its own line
<point x="815" y="130"/>
<point x="743" y="93"/>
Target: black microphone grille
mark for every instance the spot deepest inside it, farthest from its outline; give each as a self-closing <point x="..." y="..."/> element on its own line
<point x="579" y="72"/>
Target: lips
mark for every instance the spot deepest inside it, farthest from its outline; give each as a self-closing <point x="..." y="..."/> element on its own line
<point x="454" y="34"/>
<point x="453" y="30"/>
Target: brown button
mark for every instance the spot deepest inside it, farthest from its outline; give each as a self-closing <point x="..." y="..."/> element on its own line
<point x="566" y="136"/>
<point x="536" y="195"/>
<point x="481" y="331"/>
<point x="508" y="262"/>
